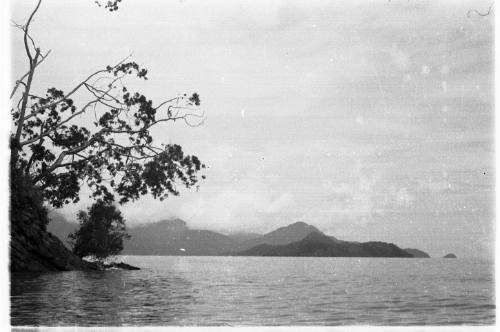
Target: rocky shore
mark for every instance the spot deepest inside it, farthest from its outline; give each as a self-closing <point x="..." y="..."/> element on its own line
<point x="32" y="247"/>
<point x="34" y="250"/>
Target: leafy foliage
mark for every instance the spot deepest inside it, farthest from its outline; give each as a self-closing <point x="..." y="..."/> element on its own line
<point x="116" y="155"/>
<point x="101" y="233"/>
<point x="26" y="201"/>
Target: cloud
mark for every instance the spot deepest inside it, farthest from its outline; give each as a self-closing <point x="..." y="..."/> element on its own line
<point x="249" y="208"/>
<point x="352" y="112"/>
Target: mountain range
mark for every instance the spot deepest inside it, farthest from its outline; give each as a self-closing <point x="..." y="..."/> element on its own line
<point x="283" y="235"/>
<point x="317" y="244"/>
<point x="174" y="237"/>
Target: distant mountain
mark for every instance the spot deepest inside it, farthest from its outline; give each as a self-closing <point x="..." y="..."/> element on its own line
<point x="281" y="236"/>
<point x="321" y="245"/>
<point x="61" y="227"/>
<point x="167" y="237"/>
<point x="417" y="253"/>
<point x="450" y="256"/>
<point x="174" y="237"/>
<point x="241" y="237"/>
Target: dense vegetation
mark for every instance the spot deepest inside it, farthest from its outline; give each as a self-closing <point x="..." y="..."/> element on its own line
<point x="95" y="135"/>
<point x="101" y="233"/>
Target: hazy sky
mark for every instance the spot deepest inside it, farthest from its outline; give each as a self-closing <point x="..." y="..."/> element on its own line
<point x="371" y="120"/>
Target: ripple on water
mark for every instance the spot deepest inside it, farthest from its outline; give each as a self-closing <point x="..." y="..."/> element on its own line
<point x="260" y="291"/>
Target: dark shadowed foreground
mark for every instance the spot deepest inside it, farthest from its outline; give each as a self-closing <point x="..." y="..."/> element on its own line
<point x="261" y="291"/>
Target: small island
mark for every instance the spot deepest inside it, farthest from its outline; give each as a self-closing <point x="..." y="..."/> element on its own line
<point x="450" y="256"/>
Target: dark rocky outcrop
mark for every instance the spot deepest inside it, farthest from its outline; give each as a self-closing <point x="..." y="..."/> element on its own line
<point x="450" y="256"/>
<point x="35" y="250"/>
<point x="417" y="253"/>
<point x="122" y="266"/>
<point x="317" y="244"/>
<point x="32" y="248"/>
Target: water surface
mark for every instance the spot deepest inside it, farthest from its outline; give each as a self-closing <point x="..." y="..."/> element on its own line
<point x="180" y="290"/>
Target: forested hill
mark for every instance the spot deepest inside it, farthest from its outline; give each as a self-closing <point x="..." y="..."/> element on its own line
<point x="317" y="244"/>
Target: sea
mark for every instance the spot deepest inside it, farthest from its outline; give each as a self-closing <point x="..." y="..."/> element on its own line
<point x="241" y="291"/>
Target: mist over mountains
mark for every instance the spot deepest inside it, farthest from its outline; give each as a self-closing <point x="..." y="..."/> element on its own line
<point x="174" y="237"/>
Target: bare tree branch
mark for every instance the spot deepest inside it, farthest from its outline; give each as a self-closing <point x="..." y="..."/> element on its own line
<point x="20" y="80"/>
<point x="25" y="98"/>
<point x="76" y="88"/>
<point x="26" y="34"/>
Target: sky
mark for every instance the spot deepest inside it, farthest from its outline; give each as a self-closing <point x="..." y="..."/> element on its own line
<point x="370" y="120"/>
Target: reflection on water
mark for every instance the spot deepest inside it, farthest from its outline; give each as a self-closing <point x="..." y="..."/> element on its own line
<point x="260" y="291"/>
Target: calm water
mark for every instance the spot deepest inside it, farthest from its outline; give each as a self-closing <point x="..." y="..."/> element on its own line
<point x="261" y="291"/>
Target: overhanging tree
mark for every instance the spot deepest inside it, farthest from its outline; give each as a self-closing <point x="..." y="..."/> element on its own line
<point x="61" y="143"/>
